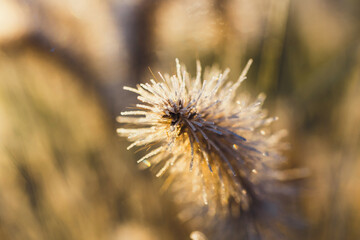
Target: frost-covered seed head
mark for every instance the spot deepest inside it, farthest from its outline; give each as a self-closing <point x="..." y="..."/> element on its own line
<point x="204" y="133"/>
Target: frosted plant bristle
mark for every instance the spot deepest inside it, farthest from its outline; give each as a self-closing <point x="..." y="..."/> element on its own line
<point x="200" y="132"/>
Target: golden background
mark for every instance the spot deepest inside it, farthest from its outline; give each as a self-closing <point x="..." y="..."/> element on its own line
<point x="64" y="174"/>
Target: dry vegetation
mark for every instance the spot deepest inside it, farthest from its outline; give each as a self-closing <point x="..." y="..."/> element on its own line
<point x="64" y="174"/>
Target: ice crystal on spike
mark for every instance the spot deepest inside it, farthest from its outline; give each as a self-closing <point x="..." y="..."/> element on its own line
<point x="202" y="129"/>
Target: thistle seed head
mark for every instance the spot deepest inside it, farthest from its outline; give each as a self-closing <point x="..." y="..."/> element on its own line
<point x="200" y="129"/>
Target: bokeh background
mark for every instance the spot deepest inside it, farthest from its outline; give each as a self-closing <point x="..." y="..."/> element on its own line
<point x="64" y="174"/>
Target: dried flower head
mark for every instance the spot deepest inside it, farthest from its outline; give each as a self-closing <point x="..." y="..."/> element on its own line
<point x="201" y="129"/>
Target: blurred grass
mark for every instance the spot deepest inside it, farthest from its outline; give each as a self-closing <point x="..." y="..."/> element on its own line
<point x="63" y="173"/>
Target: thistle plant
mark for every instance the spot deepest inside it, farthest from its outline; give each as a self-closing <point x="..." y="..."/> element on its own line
<point x="206" y="137"/>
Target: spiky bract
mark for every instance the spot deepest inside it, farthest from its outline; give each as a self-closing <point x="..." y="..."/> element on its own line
<point x="201" y="129"/>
